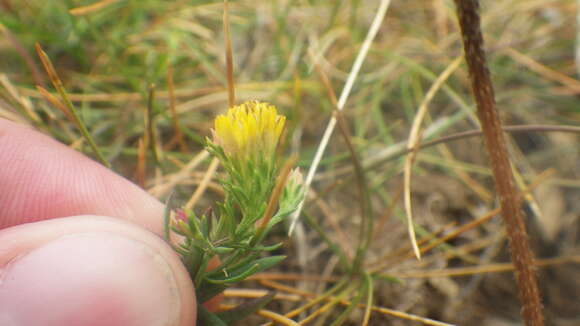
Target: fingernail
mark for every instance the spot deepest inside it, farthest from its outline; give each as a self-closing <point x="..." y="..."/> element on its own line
<point x="89" y="279"/>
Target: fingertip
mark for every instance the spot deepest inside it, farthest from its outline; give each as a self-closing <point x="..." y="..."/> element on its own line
<point x="106" y="274"/>
<point x="43" y="179"/>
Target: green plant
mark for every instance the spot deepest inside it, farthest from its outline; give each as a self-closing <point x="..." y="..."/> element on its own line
<point x="259" y="194"/>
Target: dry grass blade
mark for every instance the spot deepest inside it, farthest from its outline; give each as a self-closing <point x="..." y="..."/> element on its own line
<point x="486" y="217"/>
<point x="383" y="262"/>
<point x="140" y="170"/>
<point x="410" y="317"/>
<point x="413" y="146"/>
<point x="510" y="129"/>
<point x="178" y="136"/>
<point x="366" y="226"/>
<point x="55" y="102"/>
<point x="254" y="293"/>
<point x="151" y="132"/>
<point x="203" y="184"/>
<point x="389" y="210"/>
<point x="333" y="300"/>
<point x="343" y="241"/>
<point x="85" y="10"/>
<point x="277" y="318"/>
<point x="315" y="301"/>
<point x="373" y="30"/>
<point x="464" y="228"/>
<point x="57" y="83"/>
<point x="324" y="79"/>
<point x="482" y="269"/>
<point x="133" y="96"/>
<point x="369" y="303"/>
<point x="276" y="193"/>
<point x="476" y="187"/>
<point x="11" y="96"/>
<point x="400" y="254"/>
<point x="229" y="55"/>
<point x="281" y="287"/>
<point x="231" y="102"/>
<point x="273" y="316"/>
<point x="571" y="83"/>
<point x="162" y="189"/>
<point x="34" y="70"/>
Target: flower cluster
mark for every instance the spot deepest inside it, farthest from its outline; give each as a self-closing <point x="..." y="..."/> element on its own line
<point x="259" y="193"/>
<point x="248" y="130"/>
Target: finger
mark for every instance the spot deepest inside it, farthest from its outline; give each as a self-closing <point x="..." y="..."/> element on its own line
<point x="42" y="179"/>
<point x="91" y="270"/>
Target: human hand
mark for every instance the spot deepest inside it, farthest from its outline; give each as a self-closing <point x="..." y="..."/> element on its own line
<point x="80" y="245"/>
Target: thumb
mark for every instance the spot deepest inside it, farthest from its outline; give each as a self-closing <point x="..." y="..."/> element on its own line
<point x="42" y="179"/>
<point x="91" y="270"/>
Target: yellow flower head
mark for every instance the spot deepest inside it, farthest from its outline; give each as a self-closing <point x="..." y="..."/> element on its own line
<point x="248" y="130"/>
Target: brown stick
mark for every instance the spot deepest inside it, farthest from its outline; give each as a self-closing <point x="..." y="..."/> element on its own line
<point x="521" y="254"/>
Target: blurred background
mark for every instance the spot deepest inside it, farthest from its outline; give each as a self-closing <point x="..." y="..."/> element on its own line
<point x="153" y="72"/>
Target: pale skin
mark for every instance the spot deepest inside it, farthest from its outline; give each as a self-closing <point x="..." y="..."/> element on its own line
<point x="80" y="245"/>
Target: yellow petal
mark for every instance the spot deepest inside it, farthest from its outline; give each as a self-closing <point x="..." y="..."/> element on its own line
<point x="248" y="130"/>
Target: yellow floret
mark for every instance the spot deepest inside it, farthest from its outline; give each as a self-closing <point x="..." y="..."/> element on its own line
<point x="250" y="129"/>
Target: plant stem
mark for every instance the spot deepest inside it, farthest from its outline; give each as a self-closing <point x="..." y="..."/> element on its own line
<point x="521" y="254"/>
<point x="57" y="83"/>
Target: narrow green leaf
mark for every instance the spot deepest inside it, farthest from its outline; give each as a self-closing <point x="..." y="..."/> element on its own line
<point x="223" y="250"/>
<point x="252" y="269"/>
<point x="340" y="319"/>
<point x="167" y="217"/>
<point x="389" y="278"/>
<point x="206" y="291"/>
<point x="267" y="248"/>
<point x="247" y="270"/>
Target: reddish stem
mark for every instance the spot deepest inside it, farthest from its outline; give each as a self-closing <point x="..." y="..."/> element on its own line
<point x="521" y="254"/>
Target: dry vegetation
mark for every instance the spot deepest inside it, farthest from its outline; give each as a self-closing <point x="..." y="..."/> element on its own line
<point x="109" y="55"/>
